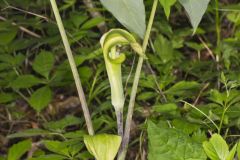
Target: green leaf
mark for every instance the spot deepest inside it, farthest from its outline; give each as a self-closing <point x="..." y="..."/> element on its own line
<point x="19" y="149"/>
<point x="63" y="123"/>
<point x="217" y="97"/>
<point x="167" y="4"/>
<point x="85" y="73"/>
<point x="29" y="133"/>
<point x="56" y="147"/>
<point x="164" y="48"/>
<point x="199" y="136"/>
<point x="6" y="97"/>
<point x="238" y="150"/>
<point x="216" y="148"/>
<point x="49" y="157"/>
<point x="103" y="146"/>
<point x="41" y="98"/>
<point x="183" y="88"/>
<point x="43" y="63"/>
<point x="92" y="23"/>
<point x="146" y="96"/>
<point x="165" y="108"/>
<point x="130" y="13"/>
<point x="172" y="144"/>
<point x="25" y="81"/>
<point x="185" y="126"/>
<point x="232" y="153"/>
<point x="195" y="10"/>
<point x="7" y="33"/>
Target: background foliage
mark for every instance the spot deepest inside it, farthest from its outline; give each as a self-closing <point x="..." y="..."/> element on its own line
<point x="38" y="100"/>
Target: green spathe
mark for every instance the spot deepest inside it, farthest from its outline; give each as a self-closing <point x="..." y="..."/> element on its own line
<point x="113" y="59"/>
<point x="103" y="146"/>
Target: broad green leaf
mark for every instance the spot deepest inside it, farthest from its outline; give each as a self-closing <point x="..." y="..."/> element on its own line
<point x="195" y="10"/>
<point x="43" y="63"/>
<point x="25" y="81"/>
<point x="41" y="98"/>
<point x="167" y="4"/>
<point x="210" y="151"/>
<point x="172" y="144"/>
<point x="216" y="148"/>
<point x="103" y="146"/>
<point x="56" y="147"/>
<point x="18" y="150"/>
<point x="130" y="13"/>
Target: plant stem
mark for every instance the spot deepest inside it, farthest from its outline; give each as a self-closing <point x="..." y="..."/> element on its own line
<point x="222" y="118"/>
<point x="221" y="121"/>
<point x="119" y="115"/>
<point x="73" y="68"/>
<point x="218" y="28"/>
<point x="126" y="137"/>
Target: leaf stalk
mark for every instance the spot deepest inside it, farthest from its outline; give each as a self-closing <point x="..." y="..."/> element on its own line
<point x="73" y="68"/>
<point x="126" y="137"/>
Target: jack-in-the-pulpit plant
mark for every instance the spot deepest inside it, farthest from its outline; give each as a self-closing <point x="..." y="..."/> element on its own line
<point x="110" y="42"/>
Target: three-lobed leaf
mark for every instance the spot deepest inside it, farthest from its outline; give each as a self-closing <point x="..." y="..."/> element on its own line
<point x="130" y="13"/>
<point x="195" y="10"/>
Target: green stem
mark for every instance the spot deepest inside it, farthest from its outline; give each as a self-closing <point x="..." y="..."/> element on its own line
<point x="119" y="115"/>
<point x="126" y="137"/>
<point x="218" y="27"/>
<point x="222" y="118"/>
<point x="73" y="68"/>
